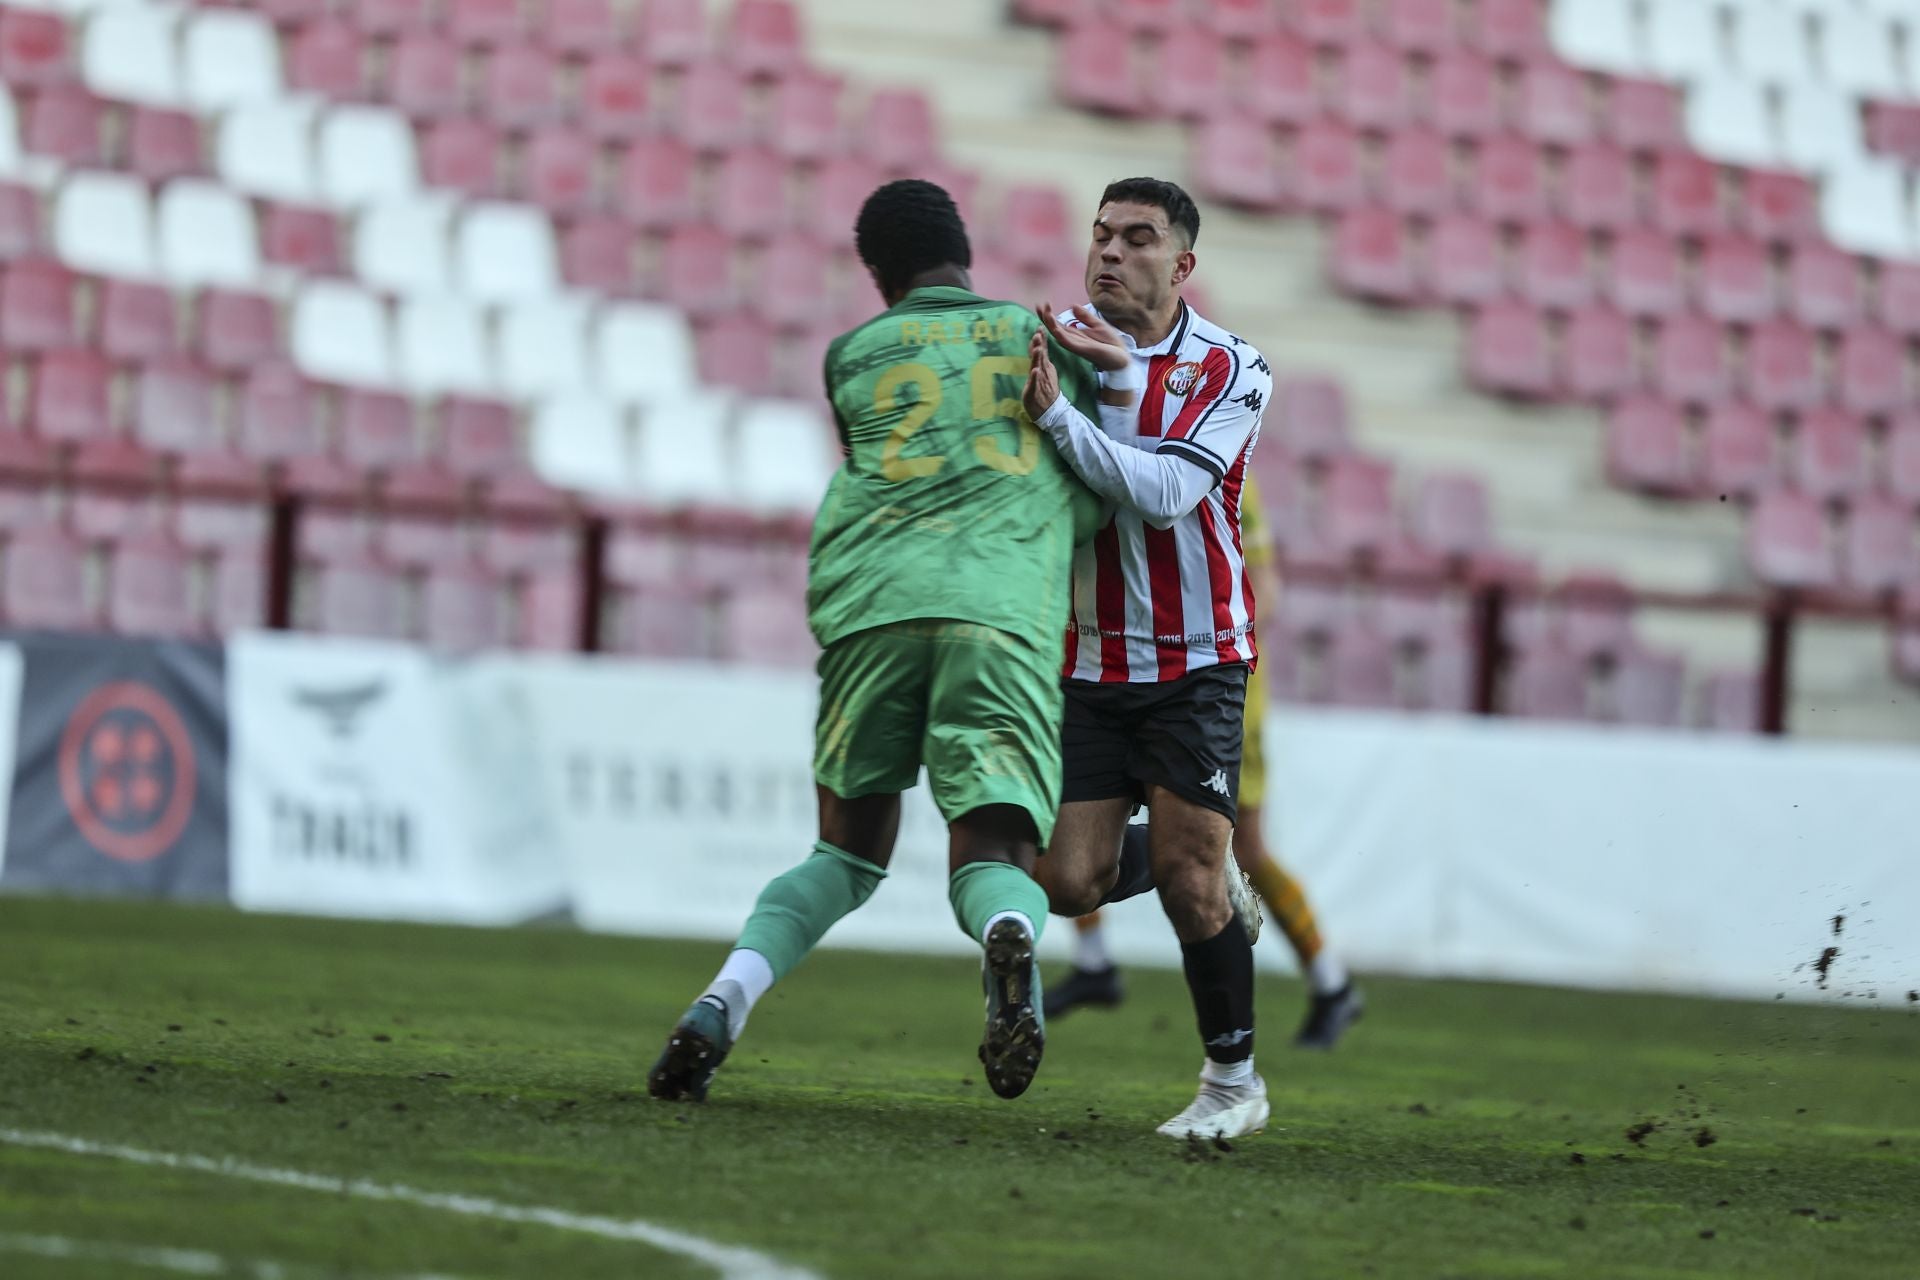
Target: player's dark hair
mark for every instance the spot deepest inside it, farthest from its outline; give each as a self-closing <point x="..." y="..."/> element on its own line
<point x="907" y="227"/>
<point x="1180" y="209"/>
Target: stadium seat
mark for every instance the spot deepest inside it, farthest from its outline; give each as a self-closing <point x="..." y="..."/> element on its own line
<point x="598" y="253"/>
<point x="442" y="346"/>
<point x="401" y="246"/>
<point x="1553" y="269"/>
<point x="1647" y="447"/>
<point x="1451" y="514"/>
<point x="1512" y="30"/>
<point x="681" y="457"/>
<point x="897" y="129"/>
<point x="303" y="238"/>
<point x="1690" y="359"/>
<point x="1729" y="121"/>
<point x="38" y="307"/>
<point x="623" y="328"/>
<point x="162" y="145"/>
<point x="783" y="458"/>
<point x="117" y="54"/>
<point x="1830" y="455"/>
<point x="1508" y="351"/>
<point x="462" y="609"/>
<point x="1823" y="286"/>
<point x="1860" y="53"/>
<point x="666" y="621"/>
<point x="1360" y="667"/>
<point x="804" y="122"/>
<point x="366" y="154"/>
<point x="1729" y="702"/>
<point x="1279" y="84"/>
<point x="1892" y="128"/>
<point x="1877" y="545"/>
<point x="1596" y="615"/>
<point x="1373" y="89"/>
<point x="580" y="27"/>
<point x="477" y="437"/>
<point x="1645" y="116"/>
<point x="505" y="253"/>
<point x="1508" y="180"/>
<point x="423" y="78"/>
<point x="790" y="280"/>
<point x="672" y="32"/>
<point x="1329" y="22"/>
<point x="1644" y="274"/>
<point x="375" y="430"/>
<point x="557" y="170"/>
<point x="1597" y="354"/>
<point x="174" y="408"/>
<point x="614" y="98"/>
<point x="1595" y="33"/>
<point x="71" y="399"/>
<point x="710" y="109"/>
<point x="20" y="232"/>
<point x="1311" y="412"/>
<point x="1738" y="455"/>
<point x="1597" y="188"/>
<point x="541" y="346"/>
<point x="484" y="22"/>
<point x="697" y="271"/>
<point x="1233" y="162"/>
<point x="1735" y="280"/>
<point x="150" y="588"/>
<point x="1151" y="17"/>
<point x="1869" y="372"/>
<point x="1864" y="208"/>
<point x="463" y="155"/>
<point x="35" y="52"/>
<point x="1547" y="682"/>
<point x="359" y="597"/>
<point x="1900" y="459"/>
<point x="1686" y="195"/>
<point x="1897" y="300"/>
<point x="391" y="17"/>
<point x="267" y="149"/>
<point x="580" y="441"/>
<point x="1034" y="220"/>
<point x="1781" y="208"/>
<point x="1819" y="131"/>
<point x="1327" y="170"/>
<point x="1187" y="78"/>
<point x="1463" y="95"/>
<point x="66" y="123"/>
<point x="330" y="59"/>
<point x="1419" y="26"/>
<point x="277" y="418"/>
<point x="1238" y="20"/>
<point x="228" y="57"/>
<point x="1649" y="688"/>
<point x="1782" y="366"/>
<point x="339" y="332"/>
<point x="136" y="321"/>
<point x="656" y="186"/>
<point x="1416" y="173"/>
<point x="45" y="582"/>
<point x="1553" y="104"/>
<point x="747" y="195"/>
<point x="206" y="235"/>
<point x="1462" y="265"/>
<point x="1358" y="496"/>
<point x="1372" y="255"/>
<point x="736" y="350"/>
<point x="521" y="89"/>
<point x="103" y="223"/>
<point x="764" y="37"/>
<point x="1787" y="541"/>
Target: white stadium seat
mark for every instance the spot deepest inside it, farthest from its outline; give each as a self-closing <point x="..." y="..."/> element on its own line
<point x="1598" y="34"/>
<point x="10" y="157"/>
<point x="1866" y="209"/>
<point x="403" y="246"/>
<point x="582" y="442"/>
<point x="1772" y="43"/>
<point x="340" y="333"/>
<point x="443" y="347"/>
<point x="681" y="450"/>
<point x="1682" y="39"/>
<point x="1729" y="120"/>
<point x="267" y="150"/>
<point x="128" y="52"/>
<point x="642" y="352"/>
<point x="102" y="222"/>
<point x="542" y="347"/>
<point x="366" y="154"/>
<point x="1858" y="54"/>
<point x="207" y="235"/>
<point x="1820" y="129"/>
<point x="506" y="252"/>
<point x="781" y="456"/>
<point x="228" y="58"/>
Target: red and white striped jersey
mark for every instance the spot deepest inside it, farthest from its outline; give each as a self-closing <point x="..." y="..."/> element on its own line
<point x="1154" y="604"/>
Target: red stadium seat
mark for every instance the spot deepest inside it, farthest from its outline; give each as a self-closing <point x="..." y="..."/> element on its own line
<point x="293" y="13"/>
<point x="328" y="58"/>
<point x="423" y="76"/>
<point x="1462" y="261"/>
<point x="522" y="87"/>
<point x="1372" y="255"/>
<point x="764" y="37"/>
<point x="1597" y="352"/>
<point x="34" y="50"/>
<point x="37" y="307"/>
<point x="1187" y="77"/>
<point x="1596" y="615"/>
<point x="673" y="33"/>
<point x="114" y="490"/>
<point x="1893" y="128"/>
<point x="1331" y="22"/>
<point x="1781" y="208"/>
<point x="1906" y="652"/>
<point x="737" y="351"/>
<point x="897" y="129"/>
<point x="1783" y="366"/>
<point x="1035" y="225"/>
<point x="461" y="154"/>
<point x="834" y="197"/>
<point x="1373" y="93"/>
<point x="697" y="270"/>
<point x="174" y="408"/>
<point x="387" y="17"/>
<point x="376" y="431"/>
<point x="1417" y="173"/>
<point x="67" y="123"/>
<point x="1238" y="20"/>
<point x="150" y="588"/>
<point x="1647" y="447"/>
<point x="1738" y="453"/>
<point x="1151" y="17"/>
<point x="1233" y="161"/>
<point x="485" y="21"/>
<point x="748" y="193"/>
<point x="1690" y="359"/>
<point x="1830" y="459"/>
<point x="1597" y="188"/>
<point x="1327" y="169"/>
<point x="614" y="102"/>
<point x="1360" y="667"/>
<point x="1730" y="702"/>
<point x="1548" y="683"/>
<point x="791" y="280"/>
<point x="1358" y="494"/>
<point x="710" y="110"/>
<point x="597" y="253"/>
<point x="1823" y="286"/>
<point x="1553" y="267"/>
<point x="1510" y="29"/>
<point x="666" y="620"/>
<point x="1736" y="280"/>
<point x="477" y="437"/>
<point x="238" y="590"/>
<point x="162" y="145"/>
<point x="1787" y="542"/>
<point x="1451" y="514"/>
<point x="583" y="27"/>
<point x="767" y="626"/>
<point x="1553" y="105"/>
<point x="557" y="168"/>
<point x="1649" y="688"/>
<point x="805" y="119"/>
<point x="20" y="235"/>
<point x="1312" y="415"/>
<point x="1279" y="85"/>
<point x="1094" y="69"/>
<point x="462" y="608"/>
<point x="1644" y="276"/>
<point x="71" y="399"/>
<point x="1509" y="180"/>
<point x="359" y="598"/>
<point x="306" y="239"/>
<point x="1899" y="297"/>
<point x="1869" y="372"/>
<point x="235" y="330"/>
<point x="1419" y="26"/>
<point x="277" y="415"/>
<point x="656" y="184"/>
<point x="1508" y="351"/>
<point x="1877" y="545"/>
<point x="1463" y="95"/>
<point x="136" y="321"/>
<point x="1900" y="459"/>
<point x="45" y="582"/>
<point x="1686" y="195"/>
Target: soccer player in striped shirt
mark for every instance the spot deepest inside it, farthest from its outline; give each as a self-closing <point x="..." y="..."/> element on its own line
<point x="1161" y="639"/>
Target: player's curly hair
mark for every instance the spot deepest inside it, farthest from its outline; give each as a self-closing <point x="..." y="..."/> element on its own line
<point x="907" y="227"/>
<point x="1180" y="209"/>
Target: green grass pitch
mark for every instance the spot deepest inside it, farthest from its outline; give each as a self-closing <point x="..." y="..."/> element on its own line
<point x="1463" y="1129"/>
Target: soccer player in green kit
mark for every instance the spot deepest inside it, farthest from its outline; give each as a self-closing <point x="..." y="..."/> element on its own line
<point x="937" y="587"/>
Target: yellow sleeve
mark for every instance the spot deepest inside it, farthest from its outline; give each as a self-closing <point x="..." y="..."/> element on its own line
<point x="1256" y="541"/>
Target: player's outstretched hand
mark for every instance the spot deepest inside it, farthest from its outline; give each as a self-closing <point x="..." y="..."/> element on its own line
<point x="1043" y="380"/>
<point x="1094" y="340"/>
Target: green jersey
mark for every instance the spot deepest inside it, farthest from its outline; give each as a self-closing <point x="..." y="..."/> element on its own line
<point x="951" y="503"/>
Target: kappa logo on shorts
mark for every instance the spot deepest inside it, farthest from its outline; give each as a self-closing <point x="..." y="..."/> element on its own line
<point x="1218" y="782"/>
<point x="1180" y="379"/>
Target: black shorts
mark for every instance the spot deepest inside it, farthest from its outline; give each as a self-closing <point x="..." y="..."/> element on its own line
<point x="1185" y="735"/>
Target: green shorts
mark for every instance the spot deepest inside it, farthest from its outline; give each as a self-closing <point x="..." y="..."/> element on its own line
<point x="981" y="708"/>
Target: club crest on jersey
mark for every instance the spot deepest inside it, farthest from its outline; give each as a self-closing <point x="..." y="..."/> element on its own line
<point x="1181" y="378"/>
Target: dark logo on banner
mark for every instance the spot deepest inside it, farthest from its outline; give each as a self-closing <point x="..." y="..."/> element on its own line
<point x="127" y="771"/>
<point x="340" y="708"/>
<point x="349" y="825"/>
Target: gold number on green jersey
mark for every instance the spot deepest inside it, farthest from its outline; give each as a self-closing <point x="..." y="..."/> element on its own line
<point x="988" y="447"/>
<point x="987" y="407"/>
<point x="892" y="466"/>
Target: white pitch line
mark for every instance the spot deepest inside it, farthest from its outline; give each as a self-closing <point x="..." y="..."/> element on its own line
<point x="188" y="1262"/>
<point x="732" y="1262"/>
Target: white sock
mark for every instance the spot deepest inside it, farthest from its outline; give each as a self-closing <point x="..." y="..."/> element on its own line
<point x="1227" y="1074"/>
<point x="1090" y="949"/>
<point x="1326" y="974"/>
<point x="1025" y="919"/>
<point x="742" y="980"/>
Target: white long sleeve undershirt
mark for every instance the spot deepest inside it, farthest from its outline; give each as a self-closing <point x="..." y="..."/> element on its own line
<point x="1160" y="487"/>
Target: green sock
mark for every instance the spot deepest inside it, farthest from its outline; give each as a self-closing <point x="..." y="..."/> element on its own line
<point x="797" y="907"/>
<point x="980" y="891"/>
